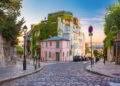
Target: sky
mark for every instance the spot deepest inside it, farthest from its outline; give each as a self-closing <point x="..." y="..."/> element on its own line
<point x="90" y="12"/>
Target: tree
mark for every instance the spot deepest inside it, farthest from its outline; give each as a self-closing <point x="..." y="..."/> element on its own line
<point x="10" y="26"/>
<point x="98" y="55"/>
<point x="95" y="53"/>
<point x="112" y="24"/>
<point x="41" y="31"/>
<point x="20" y="50"/>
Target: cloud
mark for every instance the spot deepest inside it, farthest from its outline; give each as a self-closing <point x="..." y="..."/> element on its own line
<point x="82" y="22"/>
<point x="98" y="26"/>
<point x="94" y="19"/>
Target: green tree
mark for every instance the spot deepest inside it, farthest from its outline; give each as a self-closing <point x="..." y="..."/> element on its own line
<point x="10" y="26"/>
<point x="95" y="53"/>
<point x="112" y="24"/>
<point x="41" y="31"/>
<point x="20" y="50"/>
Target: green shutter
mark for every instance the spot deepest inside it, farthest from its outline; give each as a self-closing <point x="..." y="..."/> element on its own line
<point x="57" y="44"/>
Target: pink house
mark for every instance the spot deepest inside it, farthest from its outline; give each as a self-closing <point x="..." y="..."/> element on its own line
<point x="56" y="49"/>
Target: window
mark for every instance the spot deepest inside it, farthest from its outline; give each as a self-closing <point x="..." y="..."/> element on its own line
<point x="70" y="52"/>
<point x="46" y="44"/>
<point x="50" y="43"/>
<point x="49" y="54"/>
<point x="57" y="44"/>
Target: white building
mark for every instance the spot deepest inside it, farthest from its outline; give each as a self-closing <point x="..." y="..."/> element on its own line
<point x="78" y="43"/>
<point x="71" y="31"/>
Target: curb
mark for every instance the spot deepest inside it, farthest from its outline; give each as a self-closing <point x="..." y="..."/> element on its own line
<point x="20" y="76"/>
<point x="101" y="74"/>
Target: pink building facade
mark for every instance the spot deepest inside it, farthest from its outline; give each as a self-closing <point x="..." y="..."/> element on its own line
<point x="56" y="49"/>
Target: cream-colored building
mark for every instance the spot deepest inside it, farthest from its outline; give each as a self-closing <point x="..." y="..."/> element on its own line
<point x="71" y="31"/>
<point x="79" y="43"/>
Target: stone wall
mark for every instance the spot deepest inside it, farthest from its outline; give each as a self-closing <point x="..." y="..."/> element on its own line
<point x="7" y="52"/>
<point x="110" y="54"/>
<point x="1" y="48"/>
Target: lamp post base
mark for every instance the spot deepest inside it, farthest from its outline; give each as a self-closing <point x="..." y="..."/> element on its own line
<point x="24" y="65"/>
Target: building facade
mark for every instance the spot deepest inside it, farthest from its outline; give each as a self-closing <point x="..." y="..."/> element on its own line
<point x="55" y="49"/>
<point x="78" y="44"/>
<point x="69" y="27"/>
<point x="116" y="49"/>
<point x="66" y="26"/>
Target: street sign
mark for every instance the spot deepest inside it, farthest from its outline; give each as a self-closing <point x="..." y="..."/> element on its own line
<point x="90" y="30"/>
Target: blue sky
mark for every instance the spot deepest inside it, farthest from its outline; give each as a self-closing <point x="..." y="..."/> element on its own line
<point x="90" y="12"/>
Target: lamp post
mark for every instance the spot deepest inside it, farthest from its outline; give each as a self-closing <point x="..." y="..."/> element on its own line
<point x="90" y="30"/>
<point x="45" y="33"/>
<point x="24" y="61"/>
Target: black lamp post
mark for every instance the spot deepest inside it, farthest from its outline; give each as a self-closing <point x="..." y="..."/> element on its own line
<point x="45" y="33"/>
<point x="24" y="61"/>
<point x="90" y="30"/>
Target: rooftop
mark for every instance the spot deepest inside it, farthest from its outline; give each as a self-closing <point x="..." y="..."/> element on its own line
<point x="57" y="38"/>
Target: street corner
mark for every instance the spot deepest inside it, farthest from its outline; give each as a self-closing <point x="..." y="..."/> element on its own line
<point x="19" y="75"/>
<point x="98" y="71"/>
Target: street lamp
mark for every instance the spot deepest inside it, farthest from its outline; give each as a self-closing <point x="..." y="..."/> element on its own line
<point x="90" y="30"/>
<point x="45" y="32"/>
<point x="24" y="61"/>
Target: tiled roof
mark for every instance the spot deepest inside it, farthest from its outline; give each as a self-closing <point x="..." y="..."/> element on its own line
<point x="56" y="38"/>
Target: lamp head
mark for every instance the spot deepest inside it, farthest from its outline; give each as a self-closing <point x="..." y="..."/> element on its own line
<point x="25" y="28"/>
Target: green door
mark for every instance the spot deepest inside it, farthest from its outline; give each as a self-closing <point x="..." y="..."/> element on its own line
<point x="57" y="56"/>
<point x="38" y="54"/>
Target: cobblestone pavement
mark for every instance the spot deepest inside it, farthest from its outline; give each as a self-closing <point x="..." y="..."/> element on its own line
<point x="101" y="68"/>
<point x="63" y="74"/>
<point x="14" y="70"/>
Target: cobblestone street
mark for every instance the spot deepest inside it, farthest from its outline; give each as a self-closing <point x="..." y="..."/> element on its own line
<point x="63" y="74"/>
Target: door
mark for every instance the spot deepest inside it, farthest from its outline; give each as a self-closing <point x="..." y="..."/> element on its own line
<point x="57" y="56"/>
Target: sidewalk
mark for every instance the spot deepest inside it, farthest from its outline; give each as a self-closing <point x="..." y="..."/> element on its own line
<point x="109" y="69"/>
<point x="16" y="71"/>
